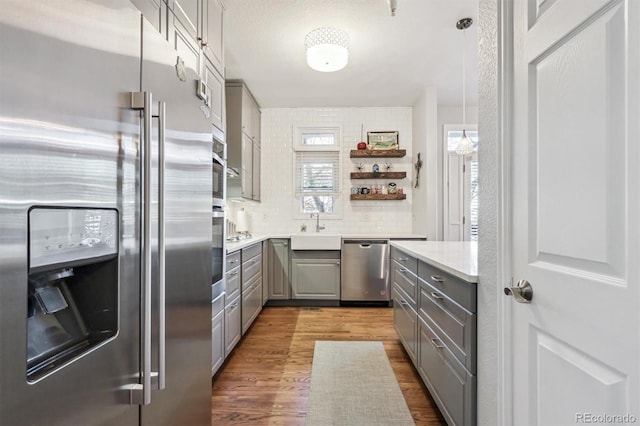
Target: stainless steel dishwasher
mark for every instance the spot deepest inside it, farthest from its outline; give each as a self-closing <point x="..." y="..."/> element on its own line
<point x="364" y="271"/>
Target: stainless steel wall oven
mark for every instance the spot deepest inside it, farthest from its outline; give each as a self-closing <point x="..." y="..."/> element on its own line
<point x="218" y="156"/>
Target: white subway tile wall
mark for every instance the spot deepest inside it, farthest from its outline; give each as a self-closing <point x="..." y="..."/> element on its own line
<point x="275" y="213"/>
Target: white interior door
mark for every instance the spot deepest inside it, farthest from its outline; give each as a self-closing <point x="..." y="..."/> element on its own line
<point x="575" y="347"/>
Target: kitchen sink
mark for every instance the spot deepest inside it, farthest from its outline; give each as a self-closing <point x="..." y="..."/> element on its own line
<point x="315" y="241"/>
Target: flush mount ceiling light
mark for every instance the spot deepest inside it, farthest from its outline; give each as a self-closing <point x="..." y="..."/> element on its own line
<point x="464" y="146"/>
<point x="327" y="49"/>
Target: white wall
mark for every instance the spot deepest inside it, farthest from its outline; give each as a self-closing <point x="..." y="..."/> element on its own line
<point x="489" y="231"/>
<point x="275" y="213"/>
<point x="427" y="212"/>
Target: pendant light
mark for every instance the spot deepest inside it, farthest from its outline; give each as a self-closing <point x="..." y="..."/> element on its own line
<point x="464" y="145"/>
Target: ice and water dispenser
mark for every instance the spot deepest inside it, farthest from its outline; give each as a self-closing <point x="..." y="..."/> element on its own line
<point x="72" y="286"/>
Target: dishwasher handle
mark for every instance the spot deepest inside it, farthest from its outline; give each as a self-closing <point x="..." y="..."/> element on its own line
<point x="365" y="243"/>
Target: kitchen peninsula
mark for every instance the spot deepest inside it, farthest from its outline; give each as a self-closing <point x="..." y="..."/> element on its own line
<point x="434" y="301"/>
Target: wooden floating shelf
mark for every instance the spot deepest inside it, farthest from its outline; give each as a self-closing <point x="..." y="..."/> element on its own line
<point x="378" y="196"/>
<point x="379" y="175"/>
<point x="378" y="153"/>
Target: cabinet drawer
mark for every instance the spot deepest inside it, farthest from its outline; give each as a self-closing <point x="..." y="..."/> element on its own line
<point x="251" y="268"/>
<point x="233" y="260"/>
<point x="251" y="251"/>
<point x="405" y="322"/>
<point x="232" y="325"/>
<point x="454" y="324"/>
<point x="407" y="281"/>
<point x="462" y="292"/>
<point x="251" y="303"/>
<point x="452" y="387"/>
<point x="217" y="305"/>
<point x="408" y="261"/>
<point x="232" y="279"/>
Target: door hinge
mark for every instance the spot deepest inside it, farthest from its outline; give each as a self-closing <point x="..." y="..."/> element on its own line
<point x="464" y="168"/>
<point x="464" y="220"/>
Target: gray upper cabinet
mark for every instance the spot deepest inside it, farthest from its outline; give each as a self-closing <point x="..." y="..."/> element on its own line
<point x="215" y="95"/>
<point x="155" y="11"/>
<point x="183" y="32"/>
<point x="243" y="141"/>
<point x="212" y="40"/>
<point x="202" y="20"/>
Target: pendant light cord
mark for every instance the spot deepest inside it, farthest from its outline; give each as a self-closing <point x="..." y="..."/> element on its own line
<point x="464" y="92"/>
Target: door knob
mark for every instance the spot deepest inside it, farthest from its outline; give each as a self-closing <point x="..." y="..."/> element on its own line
<point x="522" y="292"/>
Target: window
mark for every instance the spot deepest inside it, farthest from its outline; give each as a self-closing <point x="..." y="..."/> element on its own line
<point x="317" y="171"/>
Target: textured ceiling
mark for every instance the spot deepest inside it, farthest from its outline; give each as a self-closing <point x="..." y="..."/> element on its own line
<point x="391" y="59"/>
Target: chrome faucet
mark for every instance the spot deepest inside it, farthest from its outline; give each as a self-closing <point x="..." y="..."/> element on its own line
<point x="318" y="226"/>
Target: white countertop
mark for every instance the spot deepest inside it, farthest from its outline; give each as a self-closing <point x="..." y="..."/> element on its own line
<point x="459" y="258"/>
<point x="238" y="245"/>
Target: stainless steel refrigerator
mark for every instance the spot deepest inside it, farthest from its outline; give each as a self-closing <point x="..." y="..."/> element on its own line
<point x="105" y="220"/>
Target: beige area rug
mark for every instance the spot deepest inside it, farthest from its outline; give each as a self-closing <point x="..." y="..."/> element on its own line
<point x="352" y="383"/>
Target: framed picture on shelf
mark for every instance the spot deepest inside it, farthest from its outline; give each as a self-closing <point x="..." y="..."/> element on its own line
<point x="382" y="140"/>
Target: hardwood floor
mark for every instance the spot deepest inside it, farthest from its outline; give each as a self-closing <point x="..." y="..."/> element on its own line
<point x="266" y="379"/>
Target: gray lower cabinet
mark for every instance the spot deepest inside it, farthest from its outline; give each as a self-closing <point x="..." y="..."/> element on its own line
<point x="451" y="385"/>
<point x="277" y="274"/>
<point x="217" y="342"/>
<point x="232" y="320"/>
<point x="251" y="278"/>
<point x="232" y="325"/>
<point x="405" y="322"/>
<point x="434" y="316"/>
<point x="315" y="275"/>
<point x="251" y="302"/>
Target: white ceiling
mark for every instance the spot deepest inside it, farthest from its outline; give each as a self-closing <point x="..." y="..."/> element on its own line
<point x="391" y="59"/>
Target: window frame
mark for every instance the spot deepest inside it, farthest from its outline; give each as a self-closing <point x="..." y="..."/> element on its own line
<point x="298" y="147"/>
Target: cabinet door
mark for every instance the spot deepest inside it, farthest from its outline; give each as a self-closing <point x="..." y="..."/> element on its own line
<point x="232" y="325"/>
<point x="278" y="272"/>
<point x="217" y="342"/>
<point x="452" y="387"/>
<point x="183" y="41"/>
<point x="255" y="123"/>
<point x="247" y="113"/>
<point x="188" y="13"/>
<point x="246" y="172"/>
<point x="405" y="322"/>
<point x="215" y="94"/>
<point x="212" y="33"/>
<point x="316" y="279"/>
<point x="251" y="303"/>
<point x="155" y="11"/>
<point x="256" y="173"/>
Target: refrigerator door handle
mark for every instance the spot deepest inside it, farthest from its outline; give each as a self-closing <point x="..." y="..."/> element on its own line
<point x="161" y="249"/>
<point x="140" y="393"/>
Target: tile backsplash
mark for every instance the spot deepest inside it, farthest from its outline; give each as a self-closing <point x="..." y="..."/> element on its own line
<point x="275" y="214"/>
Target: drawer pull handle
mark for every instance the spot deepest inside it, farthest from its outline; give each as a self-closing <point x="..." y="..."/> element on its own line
<point x="436" y="344"/>
<point x="436" y="295"/>
<point x="437" y="278"/>
<point x="233" y="273"/>
<point x="233" y="261"/>
<point x="402" y="302"/>
<point x="402" y="270"/>
<point x="403" y="259"/>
